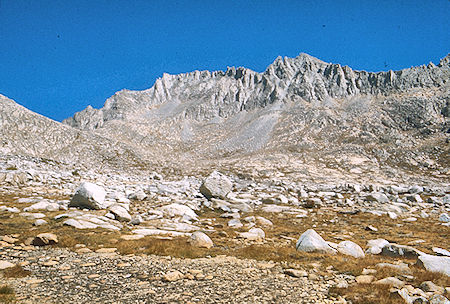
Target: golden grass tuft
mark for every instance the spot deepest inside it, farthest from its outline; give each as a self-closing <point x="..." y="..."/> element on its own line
<point x="367" y="294"/>
<point x="7" y="294"/>
<point x="16" y="272"/>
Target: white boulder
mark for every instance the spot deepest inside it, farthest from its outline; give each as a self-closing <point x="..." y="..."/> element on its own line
<point x="350" y="248"/>
<point x="311" y="241"/>
<point x="200" y="239"/>
<point x="216" y="185"/>
<point x="90" y="196"/>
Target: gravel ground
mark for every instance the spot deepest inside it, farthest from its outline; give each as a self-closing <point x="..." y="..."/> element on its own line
<point x="62" y="276"/>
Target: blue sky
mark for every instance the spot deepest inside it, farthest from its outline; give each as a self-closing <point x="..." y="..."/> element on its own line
<point x="56" y="57"/>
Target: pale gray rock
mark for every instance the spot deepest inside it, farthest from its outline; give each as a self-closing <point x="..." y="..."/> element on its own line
<point x="176" y="209"/>
<point x="296" y="273"/>
<point x="429" y="286"/>
<point x="40" y="222"/>
<point x="415" y="198"/>
<point x="350" y="248"/>
<point x="80" y="224"/>
<point x="90" y="196"/>
<point x="435" y="263"/>
<point x="376" y="246"/>
<point x="396" y="250"/>
<point x="263" y="221"/>
<point x="173" y="276"/>
<point x="45" y="239"/>
<point x="401" y="268"/>
<point x="42" y="205"/>
<point x="311" y="241"/>
<point x="415" y="189"/>
<point x="441" y="251"/>
<point x="235" y="223"/>
<point x="32" y="216"/>
<point x="216" y="185"/>
<point x="120" y="213"/>
<point x="137" y="220"/>
<point x="253" y="234"/>
<point x="5" y="265"/>
<point x="138" y="195"/>
<point x="391" y="281"/>
<point x="200" y="239"/>
<point x="438" y="299"/>
<point x="444" y="217"/>
<point x="377" y="197"/>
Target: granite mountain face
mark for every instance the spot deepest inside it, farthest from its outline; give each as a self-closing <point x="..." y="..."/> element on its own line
<point x="301" y="108"/>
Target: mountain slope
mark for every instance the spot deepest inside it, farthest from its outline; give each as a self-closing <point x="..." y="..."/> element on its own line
<point x="301" y="106"/>
<point x="24" y="132"/>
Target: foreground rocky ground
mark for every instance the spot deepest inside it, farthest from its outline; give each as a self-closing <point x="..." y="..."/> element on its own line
<point x="228" y="238"/>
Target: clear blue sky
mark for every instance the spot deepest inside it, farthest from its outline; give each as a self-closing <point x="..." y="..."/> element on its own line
<point x="56" y="57"/>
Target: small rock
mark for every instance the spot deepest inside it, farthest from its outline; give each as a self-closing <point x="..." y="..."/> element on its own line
<point x="5" y="265"/>
<point x="391" y="281"/>
<point x="263" y="221"/>
<point x="39" y="222"/>
<point x="253" y="234"/>
<point x="45" y="239"/>
<point x="375" y="246"/>
<point x="173" y="276"/>
<point x="429" y="286"/>
<point x="311" y="241"/>
<point x="377" y="197"/>
<point x="120" y="213"/>
<point x="296" y="273"/>
<point x="444" y="218"/>
<point x="350" y="248"/>
<point x="433" y="263"/>
<point x="438" y="299"/>
<point x="200" y="239"/>
<point x="365" y="279"/>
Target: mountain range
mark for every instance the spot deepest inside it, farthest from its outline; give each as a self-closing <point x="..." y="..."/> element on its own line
<point x="299" y="110"/>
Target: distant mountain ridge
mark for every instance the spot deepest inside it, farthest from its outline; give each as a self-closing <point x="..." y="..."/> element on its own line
<point x="299" y="113"/>
<point x="205" y="95"/>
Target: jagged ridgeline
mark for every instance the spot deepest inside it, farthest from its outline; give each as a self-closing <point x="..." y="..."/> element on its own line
<point x="301" y="107"/>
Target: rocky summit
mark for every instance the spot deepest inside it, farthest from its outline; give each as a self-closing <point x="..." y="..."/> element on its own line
<point x="310" y="182"/>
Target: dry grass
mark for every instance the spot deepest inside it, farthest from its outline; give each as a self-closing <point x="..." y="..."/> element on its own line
<point x="367" y="294"/>
<point x="279" y="245"/>
<point x="7" y="294"/>
<point x="16" y="272"/>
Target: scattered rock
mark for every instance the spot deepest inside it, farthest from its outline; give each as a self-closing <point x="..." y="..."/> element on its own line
<point x="120" y="213"/>
<point x="5" y="265"/>
<point x="200" y="239"/>
<point x="253" y="234"/>
<point x="391" y="281"/>
<point x="39" y="222"/>
<point x="350" y="248"/>
<point x="216" y="185"/>
<point x="435" y="263"/>
<point x="377" y="197"/>
<point x="296" y="273"/>
<point x="311" y="241"/>
<point x="173" y="276"/>
<point x="376" y="246"/>
<point x="45" y="239"/>
<point x="90" y="196"/>
<point x="365" y="279"/>
<point x="429" y="286"/>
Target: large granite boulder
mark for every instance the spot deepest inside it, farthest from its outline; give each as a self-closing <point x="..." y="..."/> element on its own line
<point x="216" y="185"/>
<point x="311" y="241"/>
<point x="90" y="196"/>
